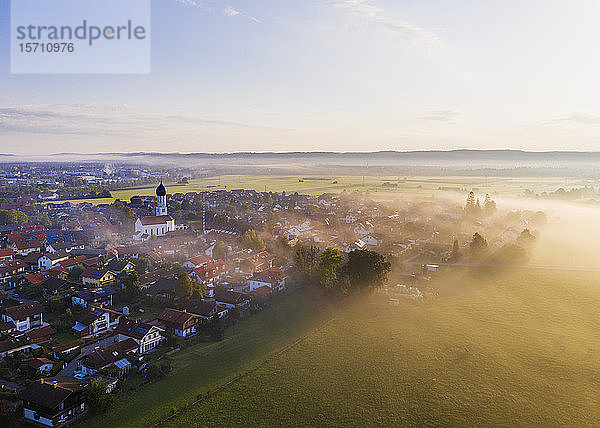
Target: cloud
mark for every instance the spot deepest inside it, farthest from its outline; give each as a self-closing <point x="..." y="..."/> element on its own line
<point x="578" y="118"/>
<point x="366" y="12"/>
<point x="230" y="11"/>
<point x="442" y="115"/>
<point x="108" y="120"/>
<point x="193" y="3"/>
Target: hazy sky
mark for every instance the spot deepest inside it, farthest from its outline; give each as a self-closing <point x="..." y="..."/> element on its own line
<point x="343" y="75"/>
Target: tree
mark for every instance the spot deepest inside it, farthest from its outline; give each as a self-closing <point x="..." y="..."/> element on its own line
<point x="124" y="212"/>
<point x="478" y="244"/>
<point x="526" y="238"/>
<point x="220" y="250"/>
<point x="96" y="397"/>
<point x="329" y="267"/>
<point x="142" y="264"/>
<point x="489" y="205"/>
<point x="76" y="272"/>
<point x="184" y="287"/>
<point x="470" y="205"/>
<point x="305" y="259"/>
<point x="252" y="240"/>
<point x="366" y="269"/>
<point x="455" y="254"/>
<point x="12" y="217"/>
<point x="131" y="283"/>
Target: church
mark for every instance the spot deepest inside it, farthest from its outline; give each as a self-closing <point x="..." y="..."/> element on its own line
<point x="158" y="224"/>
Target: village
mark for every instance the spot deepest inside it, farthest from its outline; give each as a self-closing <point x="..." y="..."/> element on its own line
<point x="94" y="292"/>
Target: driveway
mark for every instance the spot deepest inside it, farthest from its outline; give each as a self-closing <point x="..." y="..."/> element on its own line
<point x="87" y="349"/>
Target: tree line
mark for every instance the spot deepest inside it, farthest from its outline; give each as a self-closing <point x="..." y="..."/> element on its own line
<point x="359" y="270"/>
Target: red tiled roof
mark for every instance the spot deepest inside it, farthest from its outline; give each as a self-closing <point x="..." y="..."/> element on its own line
<point x="153" y="219"/>
<point x="211" y="269"/>
<point x="199" y="260"/>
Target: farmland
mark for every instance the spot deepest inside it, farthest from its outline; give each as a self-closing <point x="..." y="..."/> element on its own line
<point x="376" y="186"/>
<point x="513" y="349"/>
<point x="372" y="183"/>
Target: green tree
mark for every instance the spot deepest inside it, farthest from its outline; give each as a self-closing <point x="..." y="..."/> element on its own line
<point x="329" y="267"/>
<point x="478" y="244"/>
<point x="470" y="205"/>
<point x="142" y="265"/>
<point x="220" y="250"/>
<point x="125" y="213"/>
<point x="12" y="217"/>
<point x="131" y="283"/>
<point x="489" y="205"/>
<point x="366" y="269"/>
<point x="96" y="397"/>
<point x="526" y="239"/>
<point x="252" y="240"/>
<point x="306" y="259"/>
<point x="76" y="271"/>
<point x="455" y="254"/>
<point x="184" y="287"/>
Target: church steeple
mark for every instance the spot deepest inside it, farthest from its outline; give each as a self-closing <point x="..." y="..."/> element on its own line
<point x="161" y="199"/>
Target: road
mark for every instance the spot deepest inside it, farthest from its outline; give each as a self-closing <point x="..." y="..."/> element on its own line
<point x="87" y="349"/>
<point x="533" y="267"/>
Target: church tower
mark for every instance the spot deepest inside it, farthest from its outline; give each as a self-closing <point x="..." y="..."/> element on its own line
<point x="161" y="200"/>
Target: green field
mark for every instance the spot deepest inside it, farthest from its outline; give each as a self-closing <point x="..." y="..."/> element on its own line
<point x="520" y="349"/>
<point x="415" y="185"/>
<point x="318" y="185"/>
<point x="208" y="365"/>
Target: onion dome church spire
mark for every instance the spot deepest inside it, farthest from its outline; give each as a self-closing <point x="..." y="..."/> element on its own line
<point x="161" y="200"/>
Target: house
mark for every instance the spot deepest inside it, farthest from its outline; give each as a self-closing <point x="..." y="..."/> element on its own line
<point x="232" y="299"/>
<point x="257" y="262"/>
<point x="66" y="348"/>
<point x="16" y="343"/>
<point x="363" y="229"/>
<point x="273" y="278"/>
<point x="349" y="219"/>
<point x="49" y="260"/>
<point x="179" y="323"/>
<point x="43" y="365"/>
<point x="25" y="244"/>
<point x="101" y="296"/>
<point x="57" y="286"/>
<point x="68" y="264"/>
<point x="95" y="320"/>
<point x="117" y="355"/>
<point x="11" y="272"/>
<point x="148" y="337"/>
<point x="209" y="274"/>
<point x="8" y="327"/>
<point x="96" y="277"/>
<point x="117" y="266"/>
<point x="207" y="309"/>
<point x="196" y="261"/>
<point x="25" y="316"/>
<point x="54" y="402"/>
<point x="35" y="278"/>
<point x="6" y="254"/>
<point x="40" y="335"/>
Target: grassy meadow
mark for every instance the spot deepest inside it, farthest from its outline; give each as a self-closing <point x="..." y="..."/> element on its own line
<point x="208" y="365"/>
<point x="372" y="183"/>
<point x="515" y="348"/>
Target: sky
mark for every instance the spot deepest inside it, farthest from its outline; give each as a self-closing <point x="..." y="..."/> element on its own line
<point x="330" y="75"/>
